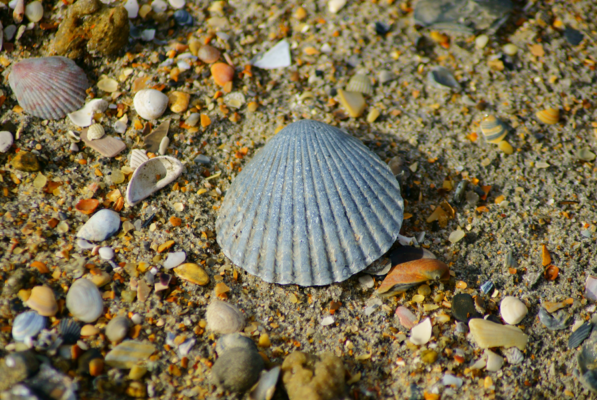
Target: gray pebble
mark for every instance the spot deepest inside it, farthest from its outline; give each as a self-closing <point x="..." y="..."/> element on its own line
<point x="118" y="328"/>
<point x="237" y="370"/>
<point x="234" y="341"/>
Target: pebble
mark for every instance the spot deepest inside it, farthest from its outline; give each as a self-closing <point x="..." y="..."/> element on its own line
<point x="336" y="5"/>
<point x="128" y="353"/>
<point x="573" y="36"/>
<point x="234" y="341"/>
<point x="456" y="236"/>
<point x="353" y="102"/>
<point x="183" y="18"/>
<point x="512" y="310"/>
<point x="463" y="307"/>
<point x="591" y="288"/>
<point x="406" y="317"/>
<point x="421" y="334"/>
<point x="442" y="78"/>
<point x="137" y="372"/>
<point x="429" y="356"/>
<point x="100" y="278"/>
<point x="174" y="259"/>
<point x="557" y="323"/>
<point x="366" y="281"/>
<point x="150" y="104"/>
<point x="579" y="335"/>
<point x="164" y="146"/>
<point x="101" y="226"/>
<point x="108" y="85"/>
<point x="193" y="119"/>
<point x="25" y="161"/>
<point x="132" y="7"/>
<point x="235" y="100"/>
<point x="27" y="324"/>
<point x="177" y="4"/>
<point x="118" y="328"/>
<point x="84" y="301"/>
<point x="277" y="57"/>
<point x="329" y="320"/>
<point x="488" y="334"/>
<point x="6" y="141"/>
<point x="224" y="318"/>
<point x="494" y="361"/>
<point x="179" y="101"/>
<point x="192" y="273"/>
<point x="106" y="253"/>
<point x="34" y="11"/>
<point x="237" y="370"/>
<point x="481" y="41"/>
<point x="159" y="6"/>
<point x="208" y="54"/>
<point x="222" y="73"/>
<point x="43" y="300"/>
<point x="510" y="49"/>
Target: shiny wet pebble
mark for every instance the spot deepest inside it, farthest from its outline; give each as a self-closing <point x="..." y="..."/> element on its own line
<point x="463" y="307"/>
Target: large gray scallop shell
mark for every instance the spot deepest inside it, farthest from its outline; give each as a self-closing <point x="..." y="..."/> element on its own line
<point x="313" y="207"/>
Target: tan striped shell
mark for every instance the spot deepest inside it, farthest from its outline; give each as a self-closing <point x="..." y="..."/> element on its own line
<point x="493" y="129"/>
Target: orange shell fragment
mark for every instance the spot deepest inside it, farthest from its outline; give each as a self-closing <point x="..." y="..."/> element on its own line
<point x="404" y="276"/>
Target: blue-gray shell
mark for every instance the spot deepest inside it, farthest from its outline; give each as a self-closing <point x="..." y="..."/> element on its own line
<point x="313" y="207"/>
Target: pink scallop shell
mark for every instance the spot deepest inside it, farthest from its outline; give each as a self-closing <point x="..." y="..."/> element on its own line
<point x="49" y="87"/>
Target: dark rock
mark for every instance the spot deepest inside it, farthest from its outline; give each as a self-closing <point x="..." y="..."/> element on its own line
<point x="237" y="370"/>
<point x="573" y="36"/>
<point x="463" y="307"/>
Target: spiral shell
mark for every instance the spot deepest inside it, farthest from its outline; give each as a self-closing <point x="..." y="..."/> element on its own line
<point x="548" y="116"/>
<point x="493" y="129"/>
<point x="360" y="83"/>
<point x="48" y="87"/>
<point x="95" y="131"/>
<point x="313" y="207"/>
<point x="84" y="301"/>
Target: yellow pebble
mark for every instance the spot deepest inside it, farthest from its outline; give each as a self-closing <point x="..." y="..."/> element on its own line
<point x="505" y="147"/>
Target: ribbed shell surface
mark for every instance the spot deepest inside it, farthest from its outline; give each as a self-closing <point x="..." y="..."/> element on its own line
<point x="313" y="207"/>
<point x="49" y="87"/>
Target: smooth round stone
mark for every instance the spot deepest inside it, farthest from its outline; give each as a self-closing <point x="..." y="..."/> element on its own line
<point x="510" y="49"/>
<point x="102" y="225"/>
<point x="237" y="370"/>
<point x="118" y="328"/>
<point x="43" y="301"/>
<point x="27" y="324"/>
<point x="512" y="310"/>
<point x="176" y="4"/>
<point x="481" y="41"/>
<point x="34" y="11"/>
<point x="224" y="318"/>
<point x="84" y="301"/>
<point x="6" y="140"/>
<point x="234" y="341"/>
<point x="106" y="253"/>
<point x="174" y="259"/>
<point x="132" y="7"/>
<point x="463" y="307"/>
<point x="159" y="6"/>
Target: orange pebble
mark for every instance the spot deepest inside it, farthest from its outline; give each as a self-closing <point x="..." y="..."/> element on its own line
<point x="222" y="73"/>
<point x="96" y="367"/>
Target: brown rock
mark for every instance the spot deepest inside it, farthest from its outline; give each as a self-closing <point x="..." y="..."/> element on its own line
<point x="307" y="376"/>
<point x="93" y="28"/>
<point x="25" y="161"/>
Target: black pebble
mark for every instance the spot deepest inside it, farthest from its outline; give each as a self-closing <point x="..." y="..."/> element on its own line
<point x="463" y="307"/>
<point x="381" y="28"/>
<point x="573" y="36"/>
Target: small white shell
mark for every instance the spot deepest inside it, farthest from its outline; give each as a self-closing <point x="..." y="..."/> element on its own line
<point x="164" y="145"/>
<point x="150" y="103"/>
<point x="84" y="116"/>
<point x="421" y="334"/>
<point x="488" y="334"/>
<point x="512" y="310"/>
<point x="84" y="301"/>
<point x="494" y="361"/>
<point x="95" y="132"/>
<point x="151" y="176"/>
<point x="137" y="158"/>
<point x="224" y="318"/>
<point x="360" y="83"/>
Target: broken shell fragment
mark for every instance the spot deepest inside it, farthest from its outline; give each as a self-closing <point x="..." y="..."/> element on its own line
<point x="421" y="333"/>
<point x="150" y="103"/>
<point x="87" y="206"/>
<point x="587" y="363"/>
<point x="406" y="317"/>
<point x="512" y="310"/>
<point x="488" y="334"/>
<point x="442" y="78"/>
<point x="137" y="158"/>
<point x="151" y="176"/>
<point x="273" y="226"/>
<point x="353" y="102"/>
<point x="554" y="323"/>
<point x="48" y="87"/>
<point x="406" y="275"/>
<point x="84" y="116"/>
<point x="548" y="116"/>
<point x="493" y="129"/>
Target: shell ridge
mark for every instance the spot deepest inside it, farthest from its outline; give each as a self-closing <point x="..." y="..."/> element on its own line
<point x="242" y="232"/>
<point x="28" y="99"/>
<point x="273" y="217"/>
<point x="258" y="217"/>
<point x="392" y="206"/>
<point x="41" y="109"/>
<point x="348" y="235"/>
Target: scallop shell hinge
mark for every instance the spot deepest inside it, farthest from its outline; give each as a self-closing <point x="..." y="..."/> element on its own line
<point x="313" y="207"/>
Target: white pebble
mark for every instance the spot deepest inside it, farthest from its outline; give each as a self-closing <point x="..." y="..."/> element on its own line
<point x="34" y="11"/>
<point x="421" y="333"/>
<point x="327" y="320"/>
<point x="481" y="41"/>
<point x="512" y="310"/>
<point x="164" y="146"/>
<point x="366" y="281"/>
<point x="132" y="7"/>
<point x="336" y="5"/>
<point x="106" y="253"/>
<point x="510" y="49"/>
<point x="159" y="6"/>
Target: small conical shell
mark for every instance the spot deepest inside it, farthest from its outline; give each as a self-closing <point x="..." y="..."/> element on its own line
<point x="313" y="207"/>
<point x="84" y="301"/>
<point x="549" y="116"/>
<point x="151" y="176"/>
<point x="224" y="318"/>
<point x="137" y="158"/>
<point x="493" y="129"/>
<point x="95" y="131"/>
<point x="360" y="83"/>
<point x="48" y="87"/>
<point x="488" y="334"/>
<point x="512" y="310"/>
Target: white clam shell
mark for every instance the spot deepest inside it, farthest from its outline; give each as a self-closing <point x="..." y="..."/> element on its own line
<point x="137" y="158"/>
<point x="84" y="301"/>
<point x="95" y="131"/>
<point x="512" y="310"/>
<point x="224" y="318"/>
<point x="488" y="334"/>
<point x="151" y="176"/>
<point x="150" y="103"/>
<point x="100" y="226"/>
<point x="6" y="140"/>
<point x="494" y="361"/>
<point x="84" y="117"/>
<point x="117" y="328"/>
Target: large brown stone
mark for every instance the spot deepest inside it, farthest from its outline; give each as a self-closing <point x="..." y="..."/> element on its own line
<point x="25" y="161"/>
